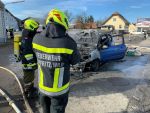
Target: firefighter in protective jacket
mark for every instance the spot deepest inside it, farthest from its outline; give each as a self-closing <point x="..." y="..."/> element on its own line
<point x="28" y="57"/>
<point x="55" y="51"/>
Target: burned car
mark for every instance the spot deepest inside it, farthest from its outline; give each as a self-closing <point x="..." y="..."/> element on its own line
<point x="97" y="48"/>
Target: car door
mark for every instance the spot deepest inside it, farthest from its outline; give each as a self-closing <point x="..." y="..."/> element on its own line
<point x="115" y="51"/>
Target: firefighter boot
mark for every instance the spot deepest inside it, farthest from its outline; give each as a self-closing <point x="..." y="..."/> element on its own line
<point x="30" y="91"/>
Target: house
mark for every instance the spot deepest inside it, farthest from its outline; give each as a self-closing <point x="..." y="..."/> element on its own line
<point x="143" y="24"/>
<point x="7" y="21"/>
<point x="132" y="28"/>
<point x="11" y="21"/>
<point x="2" y="23"/>
<point x="118" y="21"/>
<point x="89" y="25"/>
<point x="71" y="26"/>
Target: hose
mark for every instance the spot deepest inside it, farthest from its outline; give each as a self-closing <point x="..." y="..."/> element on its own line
<point x="21" y="88"/>
<point x="11" y="102"/>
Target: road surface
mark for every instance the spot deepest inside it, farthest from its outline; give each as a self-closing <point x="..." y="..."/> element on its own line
<point x="118" y="87"/>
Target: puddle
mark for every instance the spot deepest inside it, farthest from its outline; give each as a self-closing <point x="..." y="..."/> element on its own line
<point x="139" y="102"/>
<point x="132" y="66"/>
<point x="119" y="81"/>
<point x="134" y="70"/>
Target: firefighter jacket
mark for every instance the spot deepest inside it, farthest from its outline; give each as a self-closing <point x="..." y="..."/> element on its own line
<point x="55" y="51"/>
<point x="27" y="55"/>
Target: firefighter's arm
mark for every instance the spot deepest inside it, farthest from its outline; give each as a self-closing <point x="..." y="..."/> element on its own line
<point x="75" y="58"/>
<point x="30" y="56"/>
<point x="31" y="59"/>
<point x="27" y="51"/>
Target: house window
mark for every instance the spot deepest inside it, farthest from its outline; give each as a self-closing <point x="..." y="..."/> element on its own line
<point x="139" y="29"/>
<point x="120" y="26"/>
<point x="114" y="19"/>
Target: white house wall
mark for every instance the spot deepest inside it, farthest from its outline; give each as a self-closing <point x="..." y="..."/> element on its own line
<point x="2" y="26"/>
<point x="10" y="21"/>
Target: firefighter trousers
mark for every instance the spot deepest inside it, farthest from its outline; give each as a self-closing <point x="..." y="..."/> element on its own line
<point x="28" y="79"/>
<point x="54" y="104"/>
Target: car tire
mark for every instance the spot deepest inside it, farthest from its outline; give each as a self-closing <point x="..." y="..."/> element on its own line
<point x="95" y="65"/>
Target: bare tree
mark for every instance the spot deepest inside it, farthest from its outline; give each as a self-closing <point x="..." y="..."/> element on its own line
<point x="81" y="19"/>
<point x="69" y="15"/>
<point x="84" y="20"/>
<point x="91" y="19"/>
<point x="101" y="21"/>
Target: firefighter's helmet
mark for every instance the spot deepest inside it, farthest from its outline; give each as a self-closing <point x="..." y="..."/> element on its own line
<point x="59" y="17"/>
<point x="31" y="24"/>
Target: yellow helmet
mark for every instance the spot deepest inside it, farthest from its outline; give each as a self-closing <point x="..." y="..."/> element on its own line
<point x="31" y="24"/>
<point x="58" y="17"/>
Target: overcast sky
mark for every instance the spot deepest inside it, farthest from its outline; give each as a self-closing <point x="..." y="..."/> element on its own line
<point x="100" y="9"/>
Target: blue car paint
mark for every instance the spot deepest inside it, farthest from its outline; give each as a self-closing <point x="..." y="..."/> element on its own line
<point x="114" y="52"/>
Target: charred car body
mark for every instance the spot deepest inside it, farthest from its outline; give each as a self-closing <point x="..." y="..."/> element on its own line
<point x="97" y="48"/>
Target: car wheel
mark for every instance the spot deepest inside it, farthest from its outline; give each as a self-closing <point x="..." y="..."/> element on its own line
<point x="95" y="65"/>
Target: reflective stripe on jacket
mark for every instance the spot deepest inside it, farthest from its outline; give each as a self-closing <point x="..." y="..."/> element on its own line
<point x="58" y="88"/>
<point x="30" y="66"/>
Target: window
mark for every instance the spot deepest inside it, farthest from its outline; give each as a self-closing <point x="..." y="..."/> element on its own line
<point x="120" y="26"/>
<point x="139" y="29"/>
<point x="114" y="19"/>
<point x="117" y="40"/>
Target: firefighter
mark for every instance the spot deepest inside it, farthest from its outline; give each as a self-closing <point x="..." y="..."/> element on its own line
<point x="145" y="34"/>
<point x="55" y="51"/>
<point x="28" y="57"/>
<point x="11" y="31"/>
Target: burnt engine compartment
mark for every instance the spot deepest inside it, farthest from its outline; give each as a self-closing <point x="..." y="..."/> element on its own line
<point x="86" y="42"/>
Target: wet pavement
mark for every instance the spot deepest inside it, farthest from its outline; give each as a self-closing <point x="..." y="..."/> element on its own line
<point x="118" y="87"/>
<point x="10" y="86"/>
<point x="7" y="81"/>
